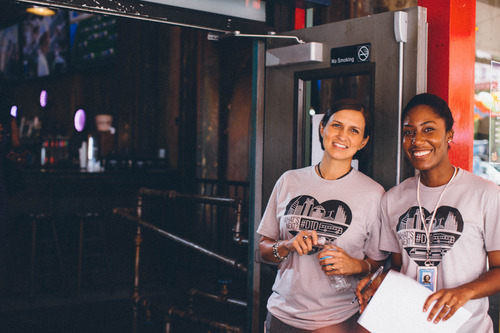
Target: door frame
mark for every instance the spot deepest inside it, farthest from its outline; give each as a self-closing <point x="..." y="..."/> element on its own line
<point x="316" y="74"/>
<point x="275" y="149"/>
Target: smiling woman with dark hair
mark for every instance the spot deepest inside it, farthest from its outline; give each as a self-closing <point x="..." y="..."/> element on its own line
<point x="444" y="222"/>
<point x="330" y="200"/>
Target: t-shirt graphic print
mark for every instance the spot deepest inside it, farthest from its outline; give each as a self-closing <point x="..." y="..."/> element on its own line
<point x="446" y="229"/>
<point x="329" y="219"/>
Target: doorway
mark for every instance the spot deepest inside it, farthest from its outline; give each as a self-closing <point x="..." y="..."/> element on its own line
<point x="394" y="72"/>
<point x="316" y="90"/>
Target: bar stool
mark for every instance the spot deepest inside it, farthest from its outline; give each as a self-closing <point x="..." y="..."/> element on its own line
<point x="92" y="240"/>
<point x="44" y="234"/>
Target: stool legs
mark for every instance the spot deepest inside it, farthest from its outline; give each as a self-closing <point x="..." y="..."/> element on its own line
<point x="100" y="237"/>
<point x="58" y="252"/>
<point x="35" y="220"/>
<point x="80" y="252"/>
<point x="52" y="237"/>
<point x="33" y="257"/>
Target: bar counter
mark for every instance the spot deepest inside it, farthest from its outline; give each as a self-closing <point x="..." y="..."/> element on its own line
<point x="68" y="191"/>
<point x="63" y="197"/>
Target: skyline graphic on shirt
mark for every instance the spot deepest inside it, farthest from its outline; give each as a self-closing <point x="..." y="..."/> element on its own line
<point x="446" y="229"/>
<point x="329" y="219"/>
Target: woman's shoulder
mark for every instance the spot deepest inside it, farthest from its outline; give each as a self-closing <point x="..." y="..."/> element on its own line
<point x="396" y="190"/>
<point x="368" y="182"/>
<point x="473" y="181"/>
<point x="295" y="174"/>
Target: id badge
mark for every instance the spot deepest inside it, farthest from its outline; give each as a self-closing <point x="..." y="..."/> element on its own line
<point x="427" y="276"/>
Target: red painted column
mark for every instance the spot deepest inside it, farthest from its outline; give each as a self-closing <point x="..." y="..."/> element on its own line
<point x="450" y="68"/>
<point x="300" y="18"/>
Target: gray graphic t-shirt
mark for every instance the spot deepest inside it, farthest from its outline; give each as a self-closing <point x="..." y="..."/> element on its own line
<point x="345" y="211"/>
<point x="465" y="228"/>
<point x="446" y="229"/>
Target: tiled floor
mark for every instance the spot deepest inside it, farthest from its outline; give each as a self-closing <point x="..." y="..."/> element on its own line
<point x="102" y="312"/>
<point x="58" y="315"/>
<point x="54" y="307"/>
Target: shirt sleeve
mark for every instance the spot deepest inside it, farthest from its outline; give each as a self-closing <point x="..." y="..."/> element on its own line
<point x="269" y="224"/>
<point x="371" y="248"/>
<point x="492" y="219"/>
<point x="388" y="235"/>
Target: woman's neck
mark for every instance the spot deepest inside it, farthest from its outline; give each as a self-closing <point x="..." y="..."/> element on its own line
<point x="332" y="169"/>
<point x="437" y="177"/>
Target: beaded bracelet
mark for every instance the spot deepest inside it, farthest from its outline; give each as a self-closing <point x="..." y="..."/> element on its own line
<point x="369" y="268"/>
<point x="276" y="253"/>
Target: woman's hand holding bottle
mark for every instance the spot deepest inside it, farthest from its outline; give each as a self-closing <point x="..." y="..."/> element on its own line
<point x="335" y="261"/>
<point x="302" y="242"/>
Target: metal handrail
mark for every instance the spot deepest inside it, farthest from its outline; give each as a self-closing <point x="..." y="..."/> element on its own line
<point x="172" y="312"/>
<point x="128" y="214"/>
<point x="168" y="194"/>
<point x="236" y="203"/>
<point x="172" y="195"/>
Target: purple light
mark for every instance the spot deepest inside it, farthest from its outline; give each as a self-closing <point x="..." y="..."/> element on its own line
<point x="13" y="111"/>
<point x="79" y="120"/>
<point x="43" y="98"/>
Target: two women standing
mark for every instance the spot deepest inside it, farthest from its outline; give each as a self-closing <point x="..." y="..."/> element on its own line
<point x="443" y="222"/>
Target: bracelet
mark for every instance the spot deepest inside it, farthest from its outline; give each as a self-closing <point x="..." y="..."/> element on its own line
<point x="369" y="268"/>
<point x="276" y="253"/>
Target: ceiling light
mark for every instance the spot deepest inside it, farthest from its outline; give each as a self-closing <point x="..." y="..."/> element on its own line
<point x="41" y="11"/>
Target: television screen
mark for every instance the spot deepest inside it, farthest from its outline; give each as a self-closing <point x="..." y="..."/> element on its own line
<point x="93" y="39"/>
<point x="9" y="52"/>
<point x="45" y="44"/>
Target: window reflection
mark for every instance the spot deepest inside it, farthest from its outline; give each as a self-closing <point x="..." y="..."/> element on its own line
<point x="486" y="161"/>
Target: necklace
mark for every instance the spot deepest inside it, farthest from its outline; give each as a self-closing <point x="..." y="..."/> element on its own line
<point x="427" y="227"/>
<point x="319" y="170"/>
<point x="321" y="175"/>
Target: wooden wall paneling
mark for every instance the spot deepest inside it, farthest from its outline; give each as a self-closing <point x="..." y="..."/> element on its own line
<point x="126" y="64"/>
<point x="235" y="57"/>
<point x="239" y="125"/>
<point x="188" y="106"/>
<point x="168" y="92"/>
<point x="147" y="119"/>
<point x="208" y="162"/>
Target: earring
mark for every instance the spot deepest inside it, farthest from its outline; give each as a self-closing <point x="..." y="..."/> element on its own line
<point x="449" y="140"/>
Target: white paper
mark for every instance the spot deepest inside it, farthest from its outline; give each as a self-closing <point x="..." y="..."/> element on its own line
<point x="397" y="307"/>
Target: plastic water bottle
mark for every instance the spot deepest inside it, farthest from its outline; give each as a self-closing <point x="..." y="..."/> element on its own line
<point x="339" y="283"/>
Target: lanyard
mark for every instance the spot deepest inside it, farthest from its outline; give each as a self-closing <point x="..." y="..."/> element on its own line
<point x="427" y="227"/>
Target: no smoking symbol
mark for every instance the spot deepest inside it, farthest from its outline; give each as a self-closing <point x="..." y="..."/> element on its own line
<point x="363" y="53"/>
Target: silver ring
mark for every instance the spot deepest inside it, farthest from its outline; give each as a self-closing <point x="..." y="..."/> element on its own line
<point x="446" y="305"/>
<point x="333" y="268"/>
<point x="304" y="237"/>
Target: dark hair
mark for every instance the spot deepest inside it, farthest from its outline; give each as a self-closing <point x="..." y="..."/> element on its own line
<point x="436" y="103"/>
<point x="345" y="104"/>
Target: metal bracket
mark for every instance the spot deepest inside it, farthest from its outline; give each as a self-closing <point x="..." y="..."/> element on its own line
<point x="306" y="53"/>
<point x="217" y="37"/>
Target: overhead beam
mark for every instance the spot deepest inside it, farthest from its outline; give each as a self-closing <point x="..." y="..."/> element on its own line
<point x="149" y="11"/>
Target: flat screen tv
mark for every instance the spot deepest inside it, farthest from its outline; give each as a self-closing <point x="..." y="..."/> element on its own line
<point x="9" y="52"/>
<point x="93" y="39"/>
<point x="45" y="44"/>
